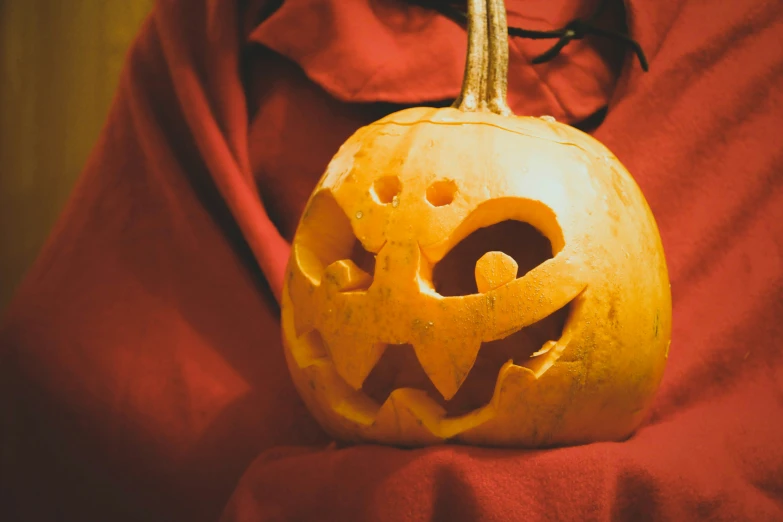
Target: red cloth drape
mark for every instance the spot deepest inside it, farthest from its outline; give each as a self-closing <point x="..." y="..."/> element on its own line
<point x="142" y="376"/>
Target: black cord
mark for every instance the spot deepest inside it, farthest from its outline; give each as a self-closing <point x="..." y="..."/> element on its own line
<point x="574" y="30"/>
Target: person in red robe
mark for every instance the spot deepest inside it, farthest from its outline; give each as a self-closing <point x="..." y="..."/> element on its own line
<point x="142" y="376"/>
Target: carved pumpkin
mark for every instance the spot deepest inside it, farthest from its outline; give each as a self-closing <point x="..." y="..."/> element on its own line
<point x="557" y="336"/>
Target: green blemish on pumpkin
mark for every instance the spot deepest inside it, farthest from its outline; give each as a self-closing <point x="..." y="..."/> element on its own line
<point x="655" y="326"/>
<point x="491" y="301"/>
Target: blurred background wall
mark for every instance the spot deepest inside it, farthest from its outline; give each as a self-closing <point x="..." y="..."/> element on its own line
<point x="59" y="65"/>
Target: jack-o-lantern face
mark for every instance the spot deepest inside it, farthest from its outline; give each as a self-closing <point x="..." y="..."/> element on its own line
<point x="558" y="333"/>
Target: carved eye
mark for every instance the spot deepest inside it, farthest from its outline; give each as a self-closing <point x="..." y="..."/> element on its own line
<point x="457" y="273"/>
<point x="327" y="246"/>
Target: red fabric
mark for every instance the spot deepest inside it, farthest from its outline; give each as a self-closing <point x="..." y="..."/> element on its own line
<point x="142" y="376"/>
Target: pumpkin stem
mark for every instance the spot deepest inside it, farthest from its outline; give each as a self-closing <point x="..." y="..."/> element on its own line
<point x="472" y="96"/>
<point x="484" y="85"/>
<point x="497" y="75"/>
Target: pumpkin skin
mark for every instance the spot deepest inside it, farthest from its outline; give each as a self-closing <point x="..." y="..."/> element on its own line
<point x="409" y="188"/>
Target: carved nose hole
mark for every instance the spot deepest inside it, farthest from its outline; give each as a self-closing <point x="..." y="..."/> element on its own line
<point x="441" y="193"/>
<point x="386" y="190"/>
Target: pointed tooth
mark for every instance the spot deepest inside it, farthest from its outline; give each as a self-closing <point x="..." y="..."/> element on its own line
<point x="303" y="324"/>
<point x="301" y="288"/>
<point x="399" y="265"/>
<point x="346" y="276"/>
<point x="307" y="348"/>
<point x="354" y="361"/>
<point x="543" y="359"/>
<point x="411" y="417"/>
<point x="448" y="363"/>
<point x="545" y="348"/>
<point x="493" y="270"/>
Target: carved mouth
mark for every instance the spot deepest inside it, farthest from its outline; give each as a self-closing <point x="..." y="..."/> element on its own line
<point x="399" y="367"/>
<point x="398" y="387"/>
